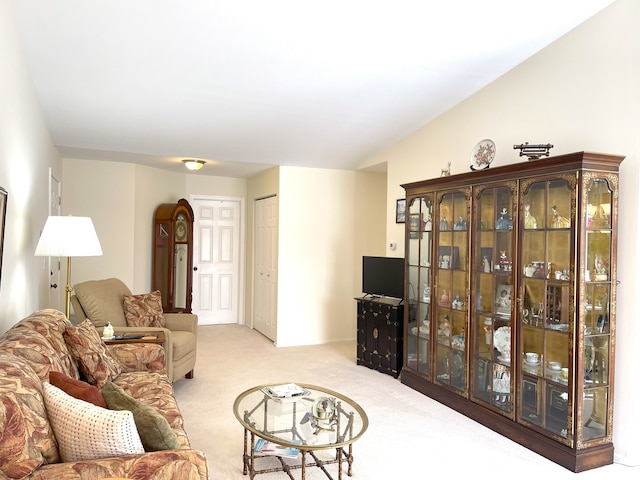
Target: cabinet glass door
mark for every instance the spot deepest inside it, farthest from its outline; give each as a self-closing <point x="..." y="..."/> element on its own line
<point x="452" y="292"/>
<point x="419" y="231"/>
<point x="493" y="287"/>
<point x="547" y="311"/>
<point x="597" y="301"/>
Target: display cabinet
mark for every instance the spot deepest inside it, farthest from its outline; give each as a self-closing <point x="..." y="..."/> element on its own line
<point x="379" y="334"/>
<point x="173" y="255"/>
<point x="511" y="294"/>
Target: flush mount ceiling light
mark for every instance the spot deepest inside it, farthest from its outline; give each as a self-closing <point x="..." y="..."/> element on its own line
<point x="192" y="164"/>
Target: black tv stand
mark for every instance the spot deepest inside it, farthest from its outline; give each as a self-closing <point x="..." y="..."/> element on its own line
<point x="379" y="334"/>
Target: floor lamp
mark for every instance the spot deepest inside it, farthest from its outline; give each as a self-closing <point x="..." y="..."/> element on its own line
<point x="68" y="236"/>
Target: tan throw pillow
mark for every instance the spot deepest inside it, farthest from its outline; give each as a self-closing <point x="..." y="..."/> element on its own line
<point x="155" y="431"/>
<point x="144" y="310"/>
<point x="19" y="456"/>
<point x="92" y="356"/>
<point x="85" y="431"/>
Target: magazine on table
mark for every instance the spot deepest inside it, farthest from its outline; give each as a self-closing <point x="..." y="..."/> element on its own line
<point x="264" y="447"/>
<point x="285" y="391"/>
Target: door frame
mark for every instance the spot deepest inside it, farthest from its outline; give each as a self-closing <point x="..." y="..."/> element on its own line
<point x="241" y="259"/>
<point x="54" y="264"/>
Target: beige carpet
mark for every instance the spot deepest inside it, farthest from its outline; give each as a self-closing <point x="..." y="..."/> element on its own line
<point x="409" y="436"/>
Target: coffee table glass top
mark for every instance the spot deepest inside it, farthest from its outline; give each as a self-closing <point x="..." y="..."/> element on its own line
<point x="290" y="421"/>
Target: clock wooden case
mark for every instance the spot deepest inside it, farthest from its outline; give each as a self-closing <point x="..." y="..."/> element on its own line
<point x="511" y="292"/>
<point x="173" y="255"/>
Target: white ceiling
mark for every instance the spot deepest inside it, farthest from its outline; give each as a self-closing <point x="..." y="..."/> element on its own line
<point x="245" y="84"/>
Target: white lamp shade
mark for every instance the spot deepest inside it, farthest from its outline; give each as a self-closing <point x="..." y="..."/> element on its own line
<point x="68" y="236"/>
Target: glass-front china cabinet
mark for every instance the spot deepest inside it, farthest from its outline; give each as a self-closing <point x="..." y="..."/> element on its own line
<point x="511" y="295"/>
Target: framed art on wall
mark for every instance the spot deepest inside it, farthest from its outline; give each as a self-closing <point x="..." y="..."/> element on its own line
<point x="3" y="214"/>
<point x="401" y="206"/>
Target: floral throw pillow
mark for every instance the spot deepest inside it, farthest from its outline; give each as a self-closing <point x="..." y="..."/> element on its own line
<point x="92" y="356"/>
<point x="144" y="310"/>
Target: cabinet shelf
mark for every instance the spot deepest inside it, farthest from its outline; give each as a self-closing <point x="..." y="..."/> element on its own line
<point x="534" y="265"/>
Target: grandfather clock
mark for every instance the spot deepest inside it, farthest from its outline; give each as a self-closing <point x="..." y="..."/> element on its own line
<point x="173" y="255"/>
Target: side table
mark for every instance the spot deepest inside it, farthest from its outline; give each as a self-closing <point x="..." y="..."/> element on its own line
<point x="147" y="337"/>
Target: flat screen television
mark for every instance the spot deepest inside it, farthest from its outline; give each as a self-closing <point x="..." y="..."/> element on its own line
<point x="383" y="276"/>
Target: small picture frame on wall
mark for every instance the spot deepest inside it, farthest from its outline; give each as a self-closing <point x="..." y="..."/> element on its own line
<point x="3" y="215"/>
<point x="401" y="210"/>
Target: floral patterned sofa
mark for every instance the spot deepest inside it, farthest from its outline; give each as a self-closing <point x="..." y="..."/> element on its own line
<point x="33" y="410"/>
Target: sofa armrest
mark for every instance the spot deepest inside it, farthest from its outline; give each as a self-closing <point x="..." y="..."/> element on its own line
<point x="181" y="321"/>
<point x="187" y="464"/>
<point x="139" y="357"/>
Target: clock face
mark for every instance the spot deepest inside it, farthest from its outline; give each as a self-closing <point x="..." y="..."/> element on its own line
<point x="181" y="231"/>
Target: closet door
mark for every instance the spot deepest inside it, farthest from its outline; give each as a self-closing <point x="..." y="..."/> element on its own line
<point x="265" y="281"/>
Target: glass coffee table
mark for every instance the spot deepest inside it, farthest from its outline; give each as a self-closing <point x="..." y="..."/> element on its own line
<point x="299" y="416"/>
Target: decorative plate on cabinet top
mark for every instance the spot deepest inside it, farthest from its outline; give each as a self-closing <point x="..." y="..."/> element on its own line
<point x="482" y="154"/>
<point x="502" y="341"/>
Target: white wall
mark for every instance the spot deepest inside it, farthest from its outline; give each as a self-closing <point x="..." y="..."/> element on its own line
<point x="26" y="153"/>
<point x="580" y="93"/>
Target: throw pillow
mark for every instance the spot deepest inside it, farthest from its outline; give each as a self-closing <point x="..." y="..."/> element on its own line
<point x="19" y="456"/>
<point x="77" y="388"/>
<point x="144" y="310"/>
<point x="155" y="431"/>
<point x="94" y="359"/>
<point x="85" y="431"/>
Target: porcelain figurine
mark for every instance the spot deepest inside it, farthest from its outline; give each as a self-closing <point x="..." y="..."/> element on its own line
<point x="108" y="332"/>
<point x="558" y="221"/>
<point x="529" y="220"/>
<point x="444" y="299"/>
<point x="486" y="265"/>
<point x="444" y="328"/>
<point x="444" y="224"/>
<point x="504" y="222"/>
<point x="461" y="224"/>
<point x="426" y="294"/>
<point x="456" y="304"/>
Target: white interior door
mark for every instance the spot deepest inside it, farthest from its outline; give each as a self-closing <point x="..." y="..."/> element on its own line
<point x="216" y="259"/>
<point x="56" y="287"/>
<point x="265" y="282"/>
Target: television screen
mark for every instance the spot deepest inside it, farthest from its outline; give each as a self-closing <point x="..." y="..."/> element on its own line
<point x="383" y="276"/>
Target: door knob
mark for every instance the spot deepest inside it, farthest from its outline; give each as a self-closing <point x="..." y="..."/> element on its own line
<point x="55" y="285"/>
<point x="195" y="269"/>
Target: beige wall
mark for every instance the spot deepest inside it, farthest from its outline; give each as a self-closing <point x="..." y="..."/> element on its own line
<point x="26" y="154"/>
<point x="322" y="213"/>
<point x="121" y="199"/>
<point x="580" y="93"/>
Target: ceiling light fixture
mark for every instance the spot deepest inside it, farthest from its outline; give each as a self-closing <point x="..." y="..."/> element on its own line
<point x="192" y="164"/>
